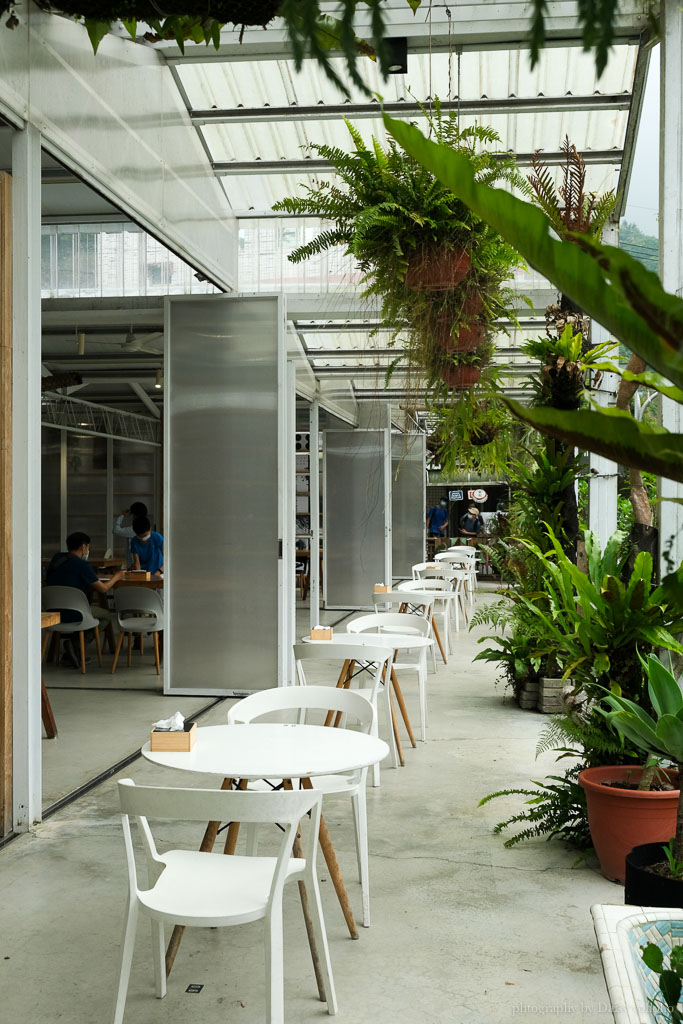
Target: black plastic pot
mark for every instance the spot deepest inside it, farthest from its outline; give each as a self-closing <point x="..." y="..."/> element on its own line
<point x="645" y="889"/>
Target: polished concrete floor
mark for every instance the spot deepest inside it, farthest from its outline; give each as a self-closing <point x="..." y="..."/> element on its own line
<point x="463" y="930"/>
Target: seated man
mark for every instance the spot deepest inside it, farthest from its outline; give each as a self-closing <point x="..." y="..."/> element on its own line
<point x="70" y="568"/>
<point x="147" y="547"/>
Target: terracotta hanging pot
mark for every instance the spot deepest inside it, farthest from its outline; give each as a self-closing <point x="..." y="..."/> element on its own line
<point x="468" y="338"/>
<point x="461" y="376"/>
<point x="437" y="269"/>
<point x="621" y="818"/>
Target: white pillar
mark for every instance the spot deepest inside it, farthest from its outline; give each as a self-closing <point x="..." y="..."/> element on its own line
<point x="26" y="477"/>
<point x="671" y="246"/>
<point x="603" y="479"/>
<point x="314" y="510"/>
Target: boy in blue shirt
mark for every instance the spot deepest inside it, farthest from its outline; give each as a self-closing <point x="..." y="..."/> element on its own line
<point x="437" y="523"/>
<point x="147" y="547"/>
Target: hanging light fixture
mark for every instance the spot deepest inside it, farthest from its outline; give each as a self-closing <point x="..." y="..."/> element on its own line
<point x="159" y="381"/>
<point x="397" y="55"/>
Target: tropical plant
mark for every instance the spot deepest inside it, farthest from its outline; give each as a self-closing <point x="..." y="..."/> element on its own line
<point x="472" y="434"/>
<point x="659" y="732"/>
<point x="600" y="624"/>
<point x="665" y="1002"/>
<point x="540" y="488"/>
<point x="396" y="219"/>
<point x="611" y="286"/>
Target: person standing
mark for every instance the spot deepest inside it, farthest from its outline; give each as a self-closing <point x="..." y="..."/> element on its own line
<point x="472" y="523"/>
<point x="147" y="547"/>
<point x="138" y="508"/>
<point x="437" y="523"/>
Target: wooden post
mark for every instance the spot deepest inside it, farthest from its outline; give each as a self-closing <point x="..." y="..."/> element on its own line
<point x="5" y="504"/>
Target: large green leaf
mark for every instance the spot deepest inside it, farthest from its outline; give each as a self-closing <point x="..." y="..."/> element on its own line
<point x="611" y="286"/>
<point x="612" y="433"/>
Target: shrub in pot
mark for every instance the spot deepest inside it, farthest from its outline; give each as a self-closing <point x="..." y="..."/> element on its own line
<point x="661" y="734"/>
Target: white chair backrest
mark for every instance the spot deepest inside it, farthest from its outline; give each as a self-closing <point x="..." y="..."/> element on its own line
<point x="460" y="553"/>
<point x="138" y="599"/>
<point x="286" y="808"/>
<point x="444" y="572"/>
<point x="390" y="622"/>
<point x="418" y="567"/>
<point x="296" y="698"/>
<point x="71" y="598"/>
<point x="397" y="598"/>
<point x="339" y="653"/>
<point x="425" y="586"/>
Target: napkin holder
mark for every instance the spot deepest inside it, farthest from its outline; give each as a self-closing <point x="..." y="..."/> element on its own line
<point x="321" y="633"/>
<point x="382" y="588"/>
<point x="173" y="742"/>
<point x="138" y="574"/>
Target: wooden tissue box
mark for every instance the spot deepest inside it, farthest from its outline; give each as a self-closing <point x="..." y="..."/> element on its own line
<point x="321" y="633"/>
<point x="381" y="588"/>
<point x="138" y="574"/>
<point x="174" y="741"/>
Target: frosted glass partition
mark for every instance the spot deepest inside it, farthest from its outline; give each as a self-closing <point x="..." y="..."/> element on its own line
<point x="407" y="502"/>
<point x="355" y="514"/>
<point x="223" y="374"/>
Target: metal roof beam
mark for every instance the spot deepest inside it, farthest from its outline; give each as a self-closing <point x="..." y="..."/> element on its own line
<point x="315" y="166"/>
<point x="473" y="26"/>
<point x="361" y="111"/>
<point x="632" y="125"/>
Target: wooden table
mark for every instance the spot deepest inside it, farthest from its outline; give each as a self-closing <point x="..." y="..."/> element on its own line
<point x="157" y="584"/>
<point x="276" y="751"/>
<point x="47" y="619"/>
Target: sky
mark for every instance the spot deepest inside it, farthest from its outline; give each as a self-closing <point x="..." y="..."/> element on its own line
<point x="641" y="206"/>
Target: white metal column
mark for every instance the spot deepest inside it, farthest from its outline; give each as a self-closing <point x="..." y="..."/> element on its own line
<point x="671" y="245"/>
<point x="26" y="446"/>
<point x="287" y="511"/>
<point x="314" y="507"/>
<point x="603" y="479"/>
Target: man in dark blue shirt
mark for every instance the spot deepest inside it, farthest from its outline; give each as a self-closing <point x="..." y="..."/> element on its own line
<point x="437" y="522"/>
<point x="70" y="568"/>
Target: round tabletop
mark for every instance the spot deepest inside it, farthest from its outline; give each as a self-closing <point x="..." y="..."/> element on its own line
<point x="439" y="595"/>
<point x="397" y="641"/>
<point x="273" y="750"/>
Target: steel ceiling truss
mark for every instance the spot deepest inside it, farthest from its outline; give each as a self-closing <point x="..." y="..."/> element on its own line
<point x="67" y="413"/>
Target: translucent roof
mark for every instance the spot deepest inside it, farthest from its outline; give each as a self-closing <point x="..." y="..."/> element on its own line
<point x="495" y="75"/>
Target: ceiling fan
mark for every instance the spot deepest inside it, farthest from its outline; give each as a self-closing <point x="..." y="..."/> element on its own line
<point x="143" y="343"/>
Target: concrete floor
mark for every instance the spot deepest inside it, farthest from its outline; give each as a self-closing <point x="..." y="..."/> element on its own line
<point x="463" y="931"/>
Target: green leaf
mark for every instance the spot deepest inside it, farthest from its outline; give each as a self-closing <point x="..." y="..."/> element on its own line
<point x="601" y="664"/>
<point x="414" y="5"/>
<point x="611" y="286"/>
<point x="612" y="433"/>
<point x="665" y="692"/>
<point x="676" y="959"/>
<point x="216" y="34"/>
<point x="653" y="957"/>
<point x="131" y="27"/>
<point x="670" y="737"/>
<point x="96" y="30"/>
<point x="670" y="984"/>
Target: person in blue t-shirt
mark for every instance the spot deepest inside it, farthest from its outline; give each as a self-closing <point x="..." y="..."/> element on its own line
<point x="147" y="547"/>
<point x="71" y="568"/>
<point x="437" y="521"/>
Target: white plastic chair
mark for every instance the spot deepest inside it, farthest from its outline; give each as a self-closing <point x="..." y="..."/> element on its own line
<point x="407" y="624"/>
<point x="464" y="558"/>
<point x="458" y="579"/>
<point x="212" y="890"/>
<point x="422" y="605"/>
<point x="139" y="610"/>
<point x="365" y="656"/>
<point x="442" y="593"/>
<point x="72" y="599"/>
<point x="345" y="703"/>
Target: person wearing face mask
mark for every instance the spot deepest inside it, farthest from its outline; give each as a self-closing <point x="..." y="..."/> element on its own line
<point x="71" y="568"/>
<point x="147" y="547"/>
<point x="437" y="524"/>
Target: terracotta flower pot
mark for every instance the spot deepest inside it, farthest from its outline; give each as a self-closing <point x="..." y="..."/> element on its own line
<point x="468" y="338"/>
<point x="461" y="376"/>
<point x="620" y="819"/>
<point x="437" y="269"/>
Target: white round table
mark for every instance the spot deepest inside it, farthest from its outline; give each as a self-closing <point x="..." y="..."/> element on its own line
<point x="273" y="750"/>
<point x="280" y="751"/>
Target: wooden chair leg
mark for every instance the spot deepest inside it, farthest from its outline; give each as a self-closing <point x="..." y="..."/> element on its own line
<point x="117" y="651"/>
<point x="98" y="644"/>
<point x="130" y="649"/>
<point x="55" y="648"/>
<point x="156" y="653"/>
<point x="142" y="644"/>
<point x="82" y="639"/>
<point x="44" y="646"/>
<point x="47" y="713"/>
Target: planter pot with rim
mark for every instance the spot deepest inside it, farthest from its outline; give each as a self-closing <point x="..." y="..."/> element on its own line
<point x="461" y="376"/>
<point x="645" y="888"/>
<point x="620" y="819"/>
<point x="437" y="270"/>
<point x="551" y="693"/>
<point x="467" y="339"/>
